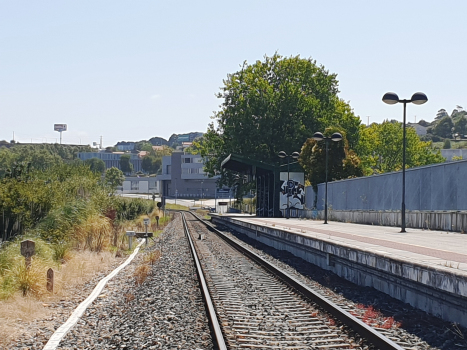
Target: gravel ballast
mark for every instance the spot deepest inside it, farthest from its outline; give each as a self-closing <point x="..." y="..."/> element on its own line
<point x="165" y="312"/>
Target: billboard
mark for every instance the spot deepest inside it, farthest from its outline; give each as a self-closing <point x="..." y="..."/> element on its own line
<point x="60" y="127"/>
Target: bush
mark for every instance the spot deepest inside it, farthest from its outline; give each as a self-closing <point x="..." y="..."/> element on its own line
<point x="447" y="144"/>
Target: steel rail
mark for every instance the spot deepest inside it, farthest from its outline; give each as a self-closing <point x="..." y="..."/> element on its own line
<point x="219" y="342"/>
<point x="337" y="312"/>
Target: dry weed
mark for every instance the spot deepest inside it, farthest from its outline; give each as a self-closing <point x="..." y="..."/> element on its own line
<point x="84" y="266"/>
<point x="129" y="297"/>
<point x="152" y="257"/>
<point x="17" y="311"/>
<point x="141" y="273"/>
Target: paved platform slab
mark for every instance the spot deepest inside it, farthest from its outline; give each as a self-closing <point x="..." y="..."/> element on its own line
<point x="431" y="248"/>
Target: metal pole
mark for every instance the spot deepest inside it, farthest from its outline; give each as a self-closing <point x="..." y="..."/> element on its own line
<point x="287" y="216"/>
<point x="326" y="184"/>
<point x="403" y="174"/>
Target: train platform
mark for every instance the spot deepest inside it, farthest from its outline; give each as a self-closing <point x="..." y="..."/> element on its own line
<point x="417" y="266"/>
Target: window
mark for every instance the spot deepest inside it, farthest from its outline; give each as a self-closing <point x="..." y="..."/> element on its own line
<point x="168" y="169"/>
<point x="191" y="171"/>
<point x="187" y="160"/>
<point x="134" y="185"/>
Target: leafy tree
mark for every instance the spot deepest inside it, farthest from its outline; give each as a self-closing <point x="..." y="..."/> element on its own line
<point x="444" y="127"/>
<point x="144" y="146"/>
<point x="380" y="148"/>
<point x="151" y="164"/>
<point x="423" y="123"/>
<point x="114" y="177"/>
<point x="342" y="162"/>
<point x="441" y="114"/>
<point x="96" y="165"/>
<point x="125" y="164"/>
<point x="460" y="126"/>
<point x="274" y="105"/>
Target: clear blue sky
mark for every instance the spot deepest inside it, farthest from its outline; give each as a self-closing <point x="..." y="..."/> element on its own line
<point x="131" y="70"/>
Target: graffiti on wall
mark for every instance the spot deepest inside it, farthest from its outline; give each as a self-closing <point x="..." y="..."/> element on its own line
<point x="292" y="190"/>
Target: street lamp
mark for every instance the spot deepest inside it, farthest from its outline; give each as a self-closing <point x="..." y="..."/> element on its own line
<point x="391" y="98"/>
<point x="318" y="136"/>
<point x="294" y="155"/>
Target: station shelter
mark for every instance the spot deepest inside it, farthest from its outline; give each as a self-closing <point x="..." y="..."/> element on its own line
<point x="278" y="186"/>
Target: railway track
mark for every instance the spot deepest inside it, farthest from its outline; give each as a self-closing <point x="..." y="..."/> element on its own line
<point x="254" y="305"/>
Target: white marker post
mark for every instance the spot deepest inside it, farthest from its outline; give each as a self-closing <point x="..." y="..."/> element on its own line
<point x="146" y="223"/>
<point x="130" y="235"/>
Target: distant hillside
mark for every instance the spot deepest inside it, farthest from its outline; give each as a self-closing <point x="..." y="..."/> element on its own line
<point x="158" y="141"/>
<point x="177" y="139"/>
<point x="174" y="140"/>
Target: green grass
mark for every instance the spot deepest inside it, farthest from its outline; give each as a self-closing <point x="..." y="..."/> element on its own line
<point x="175" y="207"/>
<point x="459" y="144"/>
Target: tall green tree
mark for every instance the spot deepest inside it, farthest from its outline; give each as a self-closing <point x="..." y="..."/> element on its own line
<point x="342" y="162"/>
<point x="380" y="148"/>
<point x="114" y="177"/>
<point x="151" y="164"/>
<point x="274" y="105"/>
<point x="125" y="164"/>
<point x="460" y="126"/>
<point x="444" y="127"/>
<point x="96" y="165"/>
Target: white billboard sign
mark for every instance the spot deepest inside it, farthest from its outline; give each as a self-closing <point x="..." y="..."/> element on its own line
<point x="60" y="127"/>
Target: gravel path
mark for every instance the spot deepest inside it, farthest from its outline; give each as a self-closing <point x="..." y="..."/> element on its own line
<point x="165" y="312"/>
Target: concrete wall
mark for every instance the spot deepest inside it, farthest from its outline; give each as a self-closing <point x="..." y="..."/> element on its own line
<point x="436" y="187"/>
<point x="449" y="153"/>
<point x="144" y="185"/>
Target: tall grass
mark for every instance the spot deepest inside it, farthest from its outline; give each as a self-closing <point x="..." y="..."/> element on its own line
<point x="95" y="234"/>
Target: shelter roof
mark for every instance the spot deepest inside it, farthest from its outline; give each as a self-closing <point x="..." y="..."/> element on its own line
<point x="241" y="164"/>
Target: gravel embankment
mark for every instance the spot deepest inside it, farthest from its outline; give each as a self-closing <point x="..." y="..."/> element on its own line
<point x="164" y="312"/>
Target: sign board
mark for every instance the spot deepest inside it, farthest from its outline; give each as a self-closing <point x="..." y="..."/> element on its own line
<point x="28" y="248"/>
<point x="130" y="233"/>
<point x="60" y="127"/>
<point x="144" y="234"/>
<point x="146" y="222"/>
<point x="222" y="203"/>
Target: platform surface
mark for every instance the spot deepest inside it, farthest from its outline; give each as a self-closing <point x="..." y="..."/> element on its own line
<point x="443" y="249"/>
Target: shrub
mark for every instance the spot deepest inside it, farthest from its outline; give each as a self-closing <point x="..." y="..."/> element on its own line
<point x="447" y="144"/>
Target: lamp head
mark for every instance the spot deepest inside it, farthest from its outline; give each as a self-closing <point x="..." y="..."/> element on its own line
<point x="419" y="98"/>
<point x="295" y="155"/>
<point x="282" y="154"/>
<point x="390" y="98"/>
<point x="336" y="137"/>
<point x="318" y="136"/>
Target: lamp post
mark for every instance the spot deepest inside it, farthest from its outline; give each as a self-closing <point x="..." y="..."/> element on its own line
<point x="294" y="155"/>
<point x="318" y="136"/>
<point x="391" y="98"/>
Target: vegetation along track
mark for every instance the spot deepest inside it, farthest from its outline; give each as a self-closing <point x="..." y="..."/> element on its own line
<point x="259" y="306"/>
